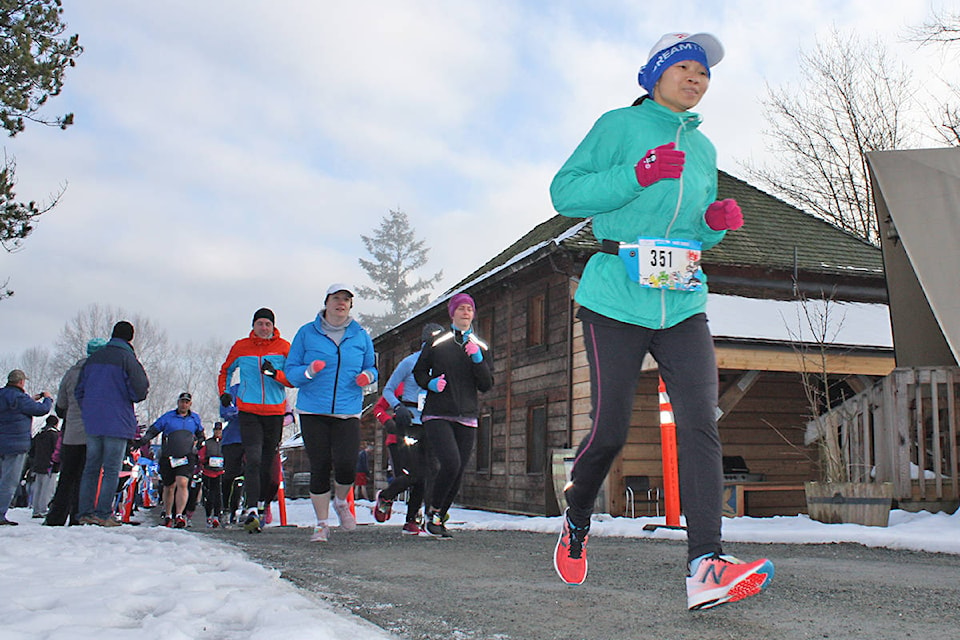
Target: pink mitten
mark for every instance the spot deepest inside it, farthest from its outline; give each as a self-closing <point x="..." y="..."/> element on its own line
<point x="724" y="214"/>
<point x="364" y="379"/>
<point x="438" y="384"/>
<point x="661" y="162"/>
<point x="314" y="368"/>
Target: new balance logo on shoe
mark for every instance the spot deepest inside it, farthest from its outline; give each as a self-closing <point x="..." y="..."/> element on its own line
<point x="719" y="579"/>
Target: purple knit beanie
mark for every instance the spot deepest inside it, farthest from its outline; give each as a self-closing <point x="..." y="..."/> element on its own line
<point x="457" y="300"/>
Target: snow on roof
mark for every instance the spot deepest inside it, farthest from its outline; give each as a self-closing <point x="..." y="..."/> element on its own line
<point x="812" y="321"/>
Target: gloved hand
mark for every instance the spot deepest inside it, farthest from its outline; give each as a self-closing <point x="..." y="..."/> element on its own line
<point x="660" y="162"/>
<point x="473" y="350"/>
<point x="364" y="379"/>
<point x="438" y="384"/>
<point x="403" y="416"/>
<point x="314" y="368"/>
<point x="724" y="214"/>
<point x="390" y="426"/>
<point x="225" y="399"/>
<point x="267" y="369"/>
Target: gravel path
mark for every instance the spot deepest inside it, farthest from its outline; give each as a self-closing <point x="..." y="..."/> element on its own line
<point x="501" y="584"/>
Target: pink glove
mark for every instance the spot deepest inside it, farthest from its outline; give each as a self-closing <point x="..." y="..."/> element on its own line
<point x="659" y="163"/>
<point x="364" y="379"/>
<point x="473" y="350"/>
<point x="314" y="368"/>
<point x="724" y="214"/>
<point x="438" y="384"/>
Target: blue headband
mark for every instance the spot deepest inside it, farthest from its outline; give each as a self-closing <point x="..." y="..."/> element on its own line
<point x="662" y="60"/>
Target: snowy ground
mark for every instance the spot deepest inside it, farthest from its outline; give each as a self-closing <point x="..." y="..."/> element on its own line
<point x="148" y="582"/>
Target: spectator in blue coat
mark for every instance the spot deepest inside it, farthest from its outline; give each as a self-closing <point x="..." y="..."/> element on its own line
<point x="331" y="360"/>
<point x="17" y="410"/>
<point x="111" y="381"/>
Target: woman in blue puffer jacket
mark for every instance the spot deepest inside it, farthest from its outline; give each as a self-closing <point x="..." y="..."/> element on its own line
<point x="331" y="360"/>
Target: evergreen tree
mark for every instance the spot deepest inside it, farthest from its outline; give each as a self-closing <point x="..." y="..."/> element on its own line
<point x="396" y="254"/>
<point x="34" y="54"/>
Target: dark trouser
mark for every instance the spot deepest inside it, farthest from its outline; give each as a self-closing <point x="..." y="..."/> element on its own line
<point x="688" y="367"/>
<point x="261" y="437"/>
<point x="451" y="444"/>
<point x="64" y="503"/>
<point x="410" y="466"/>
<point x="330" y="443"/>
<point x="232" y="467"/>
<point x="212" y="493"/>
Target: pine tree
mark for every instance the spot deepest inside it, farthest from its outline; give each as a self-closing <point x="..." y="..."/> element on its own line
<point x="34" y="54"/>
<point x="396" y="255"/>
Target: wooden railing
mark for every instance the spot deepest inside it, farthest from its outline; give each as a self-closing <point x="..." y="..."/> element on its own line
<point x="904" y="430"/>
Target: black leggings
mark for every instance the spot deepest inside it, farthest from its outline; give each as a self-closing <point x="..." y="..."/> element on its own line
<point x="330" y="443"/>
<point x="451" y="444"/>
<point x="64" y="504"/>
<point x="232" y="467"/>
<point x="410" y="466"/>
<point x="688" y="367"/>
<point x="212" y="495"/>
<point x="261" y="437"/>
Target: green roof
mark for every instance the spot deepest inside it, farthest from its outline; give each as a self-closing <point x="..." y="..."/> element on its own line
<point x="774" y="235"/>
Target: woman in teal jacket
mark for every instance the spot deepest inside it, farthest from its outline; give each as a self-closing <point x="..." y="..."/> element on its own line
<point x="648" y="178"/>
<point x="331" y="360"/>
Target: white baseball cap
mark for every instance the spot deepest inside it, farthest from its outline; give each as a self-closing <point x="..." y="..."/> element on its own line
<point x="711" y="45"/>
<point x="339" y="286"/>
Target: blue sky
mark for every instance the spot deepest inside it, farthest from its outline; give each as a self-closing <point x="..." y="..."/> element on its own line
<point x="228" y="155"/>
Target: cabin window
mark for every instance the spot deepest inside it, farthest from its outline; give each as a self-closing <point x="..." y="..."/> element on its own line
<point x="484" y="328"/>
<point x="536" y="437"/>
<point x="537" y="320"/>
<point x="484" y="440"/>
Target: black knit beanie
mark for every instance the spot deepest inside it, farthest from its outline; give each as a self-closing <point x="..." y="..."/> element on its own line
<point x="264" y="313"/>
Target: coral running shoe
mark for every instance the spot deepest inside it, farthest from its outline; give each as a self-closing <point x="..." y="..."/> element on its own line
<point x="718" y="579"/>
<point x="347" y="520"/>
<point x="321" y="533"/>
<point x="570" y="554"/>
<point x="382" y="509"/>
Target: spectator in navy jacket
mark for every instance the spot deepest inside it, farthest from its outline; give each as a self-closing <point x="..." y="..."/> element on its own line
<point x="73" y="446"/>
<point x="111" y="381"/>
<point x="17" y="411"/>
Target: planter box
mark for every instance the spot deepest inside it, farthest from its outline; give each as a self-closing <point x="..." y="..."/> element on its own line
<point x="866" y="503"/>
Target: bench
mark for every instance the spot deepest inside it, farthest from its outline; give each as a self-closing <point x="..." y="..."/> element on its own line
<point x="735" y="494"/>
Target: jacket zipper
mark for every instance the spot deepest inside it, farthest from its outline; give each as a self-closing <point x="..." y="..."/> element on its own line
<point x="676" y="213"/>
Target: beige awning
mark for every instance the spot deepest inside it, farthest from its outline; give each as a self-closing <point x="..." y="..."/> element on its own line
<point x="917" y="194"/>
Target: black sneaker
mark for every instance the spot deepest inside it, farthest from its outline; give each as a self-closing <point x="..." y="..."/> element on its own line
<point x="435" y="526"/>
<point x="251" y="523"/>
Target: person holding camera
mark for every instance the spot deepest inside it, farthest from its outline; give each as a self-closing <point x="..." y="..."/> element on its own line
<point x="17" y="410"/>
<point x="261" y="403"/>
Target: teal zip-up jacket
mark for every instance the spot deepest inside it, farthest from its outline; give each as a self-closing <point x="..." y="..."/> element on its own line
<point x="599" y="181"/>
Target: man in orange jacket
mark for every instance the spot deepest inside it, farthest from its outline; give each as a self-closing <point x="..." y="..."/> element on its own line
<point x="261" y="400"/>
